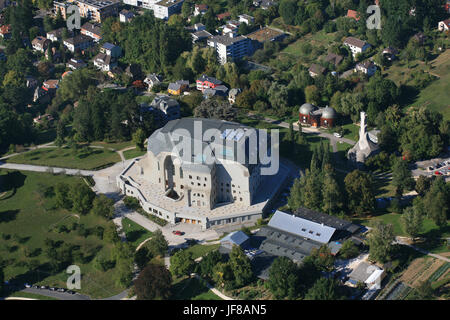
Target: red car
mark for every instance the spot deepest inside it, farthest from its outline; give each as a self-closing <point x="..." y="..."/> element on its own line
<point x="177" y="233"/>
<point x="438" y="173"/>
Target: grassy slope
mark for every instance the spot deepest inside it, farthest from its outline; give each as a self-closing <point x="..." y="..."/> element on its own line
<point x="130" y="154"/>
<point x="191" y="289"/>
<point x="134" y="232"/>
<point x="30" y="214"/>
<point x="65" y="158"/>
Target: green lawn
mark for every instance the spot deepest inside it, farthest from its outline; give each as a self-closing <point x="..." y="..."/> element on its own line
<point x="21" y="294"/>
<point x="29" y="215"/>
<point x="134" y="153"/>
<point x="199" y="250"/>
<point x="66" y="158"/>
<point x="134" y="232"/>
<point x="192" y="289"/>
<point x="114" y="145"/>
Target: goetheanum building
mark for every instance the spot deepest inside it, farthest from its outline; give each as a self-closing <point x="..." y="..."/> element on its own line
<point x="205" y="171"/>
<point x="315" y="117"/>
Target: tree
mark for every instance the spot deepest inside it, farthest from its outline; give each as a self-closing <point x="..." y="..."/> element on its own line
<point x="216" y="109"/>
<point x="139" y="138"/>
<point x="62" y="196"/>
<point x="153" y="283"/>
<point x="412" y="221"/>
<point x="158" y="244"/>
<point x="240" y="264"/>
<point x="283" y="279"/>
<point x="288" y="10"/>
<point x="380" y="242"/>
<point x="82" y="197"/>
<point x="142" y="257"/>
<point x="324" y="289"/>
<point x="2" y="277"/>
<point x="209" y="262"/>
<point x="103" y="206"/>
<point x="312" y="95"/>
<point x="348" y="250"/>
<point x="182" y="263"/>
<point x="359" y="187"/>
<point x="401" y="177"/>
<point x="423" y="184"/>
<point x="437" y="202"/>
<point x="331" y="195"/>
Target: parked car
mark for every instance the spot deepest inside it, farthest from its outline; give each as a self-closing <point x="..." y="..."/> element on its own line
<point x="431" y="168"/>
<point x="61" y="290"/>
<point x="27" y="285"/>
<point x="337" y="135"/>
<point x="43" y="287"/>
<point x="438" y="173"/>
<point x="70" y="292"/>
<point x="177" y="233"/>
<point x="52" y="288"/>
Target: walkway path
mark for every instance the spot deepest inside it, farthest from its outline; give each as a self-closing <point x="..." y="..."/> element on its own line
<point x="401" y="240"/>
<point x="30" y="167"/>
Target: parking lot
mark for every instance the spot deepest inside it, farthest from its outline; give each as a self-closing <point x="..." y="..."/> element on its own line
<point x="433" y="167"/>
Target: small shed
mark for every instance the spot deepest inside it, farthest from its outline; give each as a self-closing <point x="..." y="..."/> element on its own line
<point x="237" y="238"/>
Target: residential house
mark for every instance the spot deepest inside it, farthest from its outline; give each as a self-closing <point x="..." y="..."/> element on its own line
<point x="316" y="70"/>
<point x="111" y="50"/>
<point x="98" y="10"/>
<point x="366" y="273"/>
<point x="78" y="43"/>
<point x="164" y="108"/>
<point x="390" y="53"/>
<point x="5" y="31"/>
<point x="230" y="47"/>
<point x="92" y="30"/>
<point x="152" y="79"/>
<point x="356" y="45"/>
<point x="444" y="25"/>
<point x="126" y="16"/>
<point x="219" y="90"/>
<point x="200" y="9"/>
<point x="50" y="85"/>
<point x="40" y="119"/>
<point x="196" y="27"/>
<point x="246" y="18"/>
<point x="366" y="67"/>
<point x="76" y="64"/>
<point x="334" y="59"/>
<point x="267" y="4"/>
<point x="178" y="87"/>
<point x="223" y="16"/>
<point x="205" y="82"/>
<point x="232" y="95"/>
<point x="40" y="43"/>
<point x="104" y="62"/>
<point x="56" y="35"/>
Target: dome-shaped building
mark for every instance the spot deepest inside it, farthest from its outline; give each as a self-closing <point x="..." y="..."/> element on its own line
<point x="328" y="117"/>
<point x="305" y="113"/>
<point x="309" y="114"/>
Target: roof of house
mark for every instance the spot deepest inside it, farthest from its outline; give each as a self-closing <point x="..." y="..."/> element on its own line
<point x="265" y="34"/>
<point x="204" y="78"/>
<point x="5" y="29"/>
<point x="39" y="40"/>
<point x="226" y="39"/>
<point x="92" y="27"/>
<point x="447" y="22"/>
<point x="224" y="15"/>
<point x="78" y="39"/>
<point x="103" y="58"/>
<point x="237" y="238"/>
<point x="108" y="46"/>
<point x="326" y="219"/>
<point x="51" y="84"/>
<point x="334" y="58"/>
<point x="353" y="14"/>
<point x="128" y="14"/>
<point x="201" y="7"/>
<point x="355" y="42"/>
<point x="317" y="69"/>
<point x="202" y="34"/>
<point x="174" y="86"/>
<point x="364" y="271"/>
<point x="366" y="64"/>
<point x="301" y="227"/>
<point x="56" y="32"/>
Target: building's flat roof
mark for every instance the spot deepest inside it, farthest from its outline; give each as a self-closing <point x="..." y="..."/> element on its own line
<point x="265" y="34"/>
<point x="331" y="221"/>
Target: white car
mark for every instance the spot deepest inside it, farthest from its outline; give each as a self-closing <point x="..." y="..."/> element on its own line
<point x="337" y="135"/>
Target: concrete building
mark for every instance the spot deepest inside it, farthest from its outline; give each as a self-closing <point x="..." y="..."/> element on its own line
<point x="316" y="70"/>
<point x="126" y="16"/>
<point x="366" y="67"/>
<point x="444" y="25"/>
<point x="98" y="10"/>
<point x="76" y="64"/>
<point x="204" y="183"/>
<point x="356" y="45"/>
<point x="205" y="82"/>
<point x="230" y="47"/>
<point x="169" y="107"/>
<point x="246" y="18"/>
<point x="365" y="147"/>
<point x="162" y="9"/>
<point x="111" y="50"/>
<point x="40" y="43"/>
<point x="56" y="35"/>
<point x="104" y="62"/>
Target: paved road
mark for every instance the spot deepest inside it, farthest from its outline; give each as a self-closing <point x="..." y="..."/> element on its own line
<point x="56" y="295"/>
<point x="29" y="167"/>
